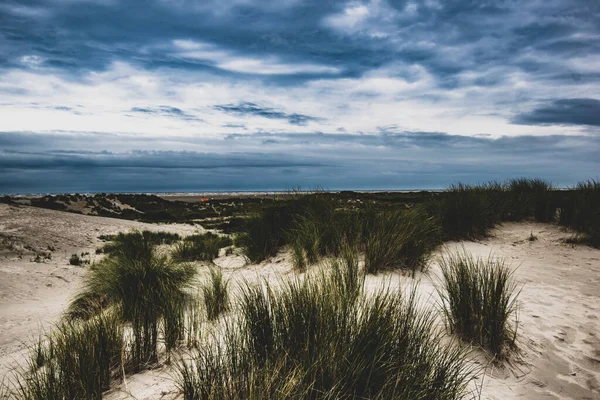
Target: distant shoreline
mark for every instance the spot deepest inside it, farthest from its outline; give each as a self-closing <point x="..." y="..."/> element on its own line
<point x="222" y="194"/>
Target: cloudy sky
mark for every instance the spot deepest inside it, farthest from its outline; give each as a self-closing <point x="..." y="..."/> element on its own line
<point x="182" y="95"/>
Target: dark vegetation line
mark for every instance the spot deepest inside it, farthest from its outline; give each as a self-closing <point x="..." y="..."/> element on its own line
<point x="401" y="235"/>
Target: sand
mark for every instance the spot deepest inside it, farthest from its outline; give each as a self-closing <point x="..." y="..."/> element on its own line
<point x="559" y="323"/>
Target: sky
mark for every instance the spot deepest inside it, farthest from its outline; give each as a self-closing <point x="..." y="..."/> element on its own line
<point x="216" y="95"/>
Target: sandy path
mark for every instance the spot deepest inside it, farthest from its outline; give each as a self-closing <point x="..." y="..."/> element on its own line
<point x="559" y="317"/>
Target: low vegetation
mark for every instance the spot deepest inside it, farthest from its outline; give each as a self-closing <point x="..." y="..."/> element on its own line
<point x="216" y="294"/>
<point x="200" y="247"/>
<point x="148" y="290"/>
<point x="479" y="301"/>
<point x="400" y="240"/>
<point x="319" y="336"/>
<point x="323" y="338"/>
<point x="76" y="260"/>
<point x="77" y="361"/>
<point x="580" y="211"/>
<point x="128" y="243"/>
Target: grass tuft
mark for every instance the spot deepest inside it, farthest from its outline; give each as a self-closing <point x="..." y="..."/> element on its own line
<point x="147" y="288"/>
<point x="479" y="301"/>
<point x="216" y="294"/>
<point x="77" y="361"/>
<point x="580" y="210"/>
<point x="200" y="247"/>
<point x="400" y="240"/>
<point x="323" y="338"/>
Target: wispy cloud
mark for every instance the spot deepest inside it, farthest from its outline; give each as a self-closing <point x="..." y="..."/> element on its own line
<point x="253" y="109"/>
<point x="166" y="111"/>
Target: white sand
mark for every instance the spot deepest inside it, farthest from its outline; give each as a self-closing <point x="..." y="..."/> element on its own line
<point x="559" y="318"/>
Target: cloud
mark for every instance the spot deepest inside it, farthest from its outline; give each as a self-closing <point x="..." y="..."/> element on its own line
<point x="407" y="87"/>
<point x="563" y="112"/>
<point x="252" y="109"/>
<point x="166" y="111"/>
<point x="227" y="60"/>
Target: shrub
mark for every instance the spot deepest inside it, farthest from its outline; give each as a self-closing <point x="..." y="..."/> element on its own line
<point x="479" y="299"/>
<point x="320" y="339"/>
<point x="265" y="233"/>
<point x="146" y="288"/>
<point x="75" y="260"/>
<point x="77" y="361"/>
<point x="400" y="240"/>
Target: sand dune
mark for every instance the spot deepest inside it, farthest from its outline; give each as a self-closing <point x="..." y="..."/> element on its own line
<point x="559" y="321"/>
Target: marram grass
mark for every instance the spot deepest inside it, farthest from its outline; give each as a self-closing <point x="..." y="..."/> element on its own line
<point x="150" y="292"/>
<point x="323" y="337"/>
<point x="77" y="361"/>
<point x="479" y="301"/>
<point x="215" y="292"/>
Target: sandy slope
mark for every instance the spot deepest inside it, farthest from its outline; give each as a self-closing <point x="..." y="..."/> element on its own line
<point x="559" y="318"/>
<point x="32" y="295"/>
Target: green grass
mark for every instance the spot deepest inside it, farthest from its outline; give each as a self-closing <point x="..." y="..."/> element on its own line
<point x="200" y="247"/>
<point x="400" y="240"/>
<point x="216" y="294"/>
<point x="580" y="210"/>
<point x="263" y="234"/>
<point x="466" y="211"/>
<point x="149" y="290"/>
<point x="530" y="198"/>
<point x="78" y="361"/>
<point x="479" y="301"/>
<point x="324" y="338"/>
<point x="136" y="244"/>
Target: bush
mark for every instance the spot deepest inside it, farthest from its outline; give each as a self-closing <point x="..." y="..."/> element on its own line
<point x="75" y="260"/>
<point x="78" y="361"/>
<point x="400" y="240"/>
<point x="146" y="288"/>
<point x="216" y="294"/>
<point x="265" y="233"/>
<point x="479" y="299"/>
<point x="323" y="338"/>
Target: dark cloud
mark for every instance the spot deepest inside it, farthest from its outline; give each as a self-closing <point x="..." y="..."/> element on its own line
<point x="166" y="111"/>
<point x="563" y="112"/>
<point x="91" y="35"/>
<point x="252" y="109"/>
